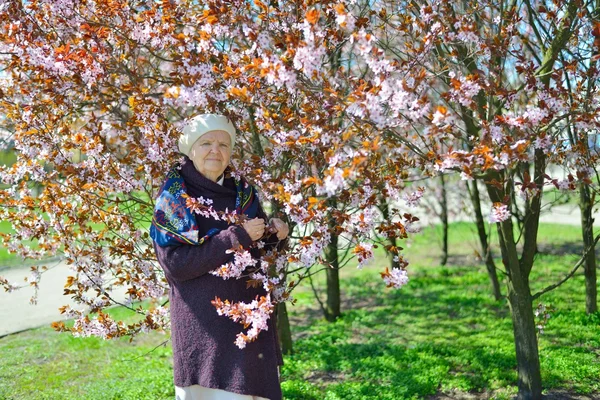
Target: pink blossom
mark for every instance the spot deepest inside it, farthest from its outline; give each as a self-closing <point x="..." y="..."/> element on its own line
<point x="254" y="314"/>
<point x="395" y="278"/>
<point x="8" y="287"/>
<point x="564" y="184"/>
<point x="497" y="134"/>
<point x="543" y="143"/>
<point x="346" y="21"/>
<point x="413" y="199"/>
<point x="426" y="14"/>
<point x="242" y="259"/>
<point x="364" y="41"/>
<point x="308" y="59"/>
<point x="500" y="212"/>
<point x="311" y="252"/>
<point x="364" y="253"/>
<point x="535" y="115"/>
<point x="363" y="222"/>
<point x="332" y="183"/>
<point x="412" y="227"/>
<point x="465" y="91"/>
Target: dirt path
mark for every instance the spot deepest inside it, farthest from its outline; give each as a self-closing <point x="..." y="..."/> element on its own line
<point x="18" y="314"/>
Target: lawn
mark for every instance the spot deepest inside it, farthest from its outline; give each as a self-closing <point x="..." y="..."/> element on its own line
<point x="442" y="333"/>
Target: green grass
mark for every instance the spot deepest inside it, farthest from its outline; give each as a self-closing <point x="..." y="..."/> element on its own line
<point x="440" y="333"/>
<point x="42" y="364"/>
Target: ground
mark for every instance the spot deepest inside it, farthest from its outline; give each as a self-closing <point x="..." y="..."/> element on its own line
<point x="440" y="337"/>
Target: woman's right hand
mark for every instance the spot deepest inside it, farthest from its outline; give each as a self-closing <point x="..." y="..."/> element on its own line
<point x="255" y="228"/>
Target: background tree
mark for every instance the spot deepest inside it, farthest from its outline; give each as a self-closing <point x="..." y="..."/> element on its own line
<point x="491" y="75"/>
<point x="484" y="238"/>
<point x="581" y="138"/>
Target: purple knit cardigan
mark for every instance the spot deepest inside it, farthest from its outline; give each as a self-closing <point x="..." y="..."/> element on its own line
<point x="204" y="352"/>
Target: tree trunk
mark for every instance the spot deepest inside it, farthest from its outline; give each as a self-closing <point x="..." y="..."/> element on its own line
<point x="283" y="329"/>
<point x="384" y="207"/>
<point x="519" y="294"/>
<point x="528" y="360"/>
<point x="521" y="310"/>
<point x="587" y="228"/>
<point x="483" y="240"/>
<point x="332" y="305"/>
<point x="444" y="218"/>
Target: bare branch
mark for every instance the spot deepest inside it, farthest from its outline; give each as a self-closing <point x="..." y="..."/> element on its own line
<point x="570" y="274"/>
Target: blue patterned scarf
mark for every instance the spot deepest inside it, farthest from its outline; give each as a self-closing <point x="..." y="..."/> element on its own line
<point x="173" y="224"/>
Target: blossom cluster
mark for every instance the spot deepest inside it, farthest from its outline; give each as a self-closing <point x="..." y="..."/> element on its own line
<point x="395" y="278"/>
<point x="500" y="213"/>
<point x="242" y="259"/>
<point x="203" y="207"/>
<point x="255" y="315"/>
<point x="542" y="314"/>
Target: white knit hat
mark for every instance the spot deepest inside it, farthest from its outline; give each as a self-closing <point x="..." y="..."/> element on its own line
<point x="201" y="124"/>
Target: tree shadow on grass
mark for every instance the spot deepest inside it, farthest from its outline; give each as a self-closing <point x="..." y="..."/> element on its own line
<point x="400" y="372"/>
<point x="441" y="333"/>
<point x="432" y="305"/>
<point x="550" y="395"/>
<point x="560" y="249"/>
<point x="412" y="341"/>
<point x="427" y="305"/>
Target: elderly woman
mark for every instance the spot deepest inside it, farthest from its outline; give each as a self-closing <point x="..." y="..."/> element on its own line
<point x="207" y="364"/>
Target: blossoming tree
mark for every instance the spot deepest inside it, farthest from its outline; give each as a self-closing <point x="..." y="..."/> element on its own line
<point x="493" y="74"/>
<point x="94" y="94"/>
<point x="343" y="97"/>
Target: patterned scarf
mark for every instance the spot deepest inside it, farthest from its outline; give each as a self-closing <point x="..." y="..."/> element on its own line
<point x="173" y="224"/>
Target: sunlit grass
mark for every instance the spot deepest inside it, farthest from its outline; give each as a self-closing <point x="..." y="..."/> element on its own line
<point x="442" y="332"/>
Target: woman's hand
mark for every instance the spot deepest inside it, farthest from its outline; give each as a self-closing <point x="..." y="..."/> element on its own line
<point x="282" y="228"/>
<point x="255" y="228"/>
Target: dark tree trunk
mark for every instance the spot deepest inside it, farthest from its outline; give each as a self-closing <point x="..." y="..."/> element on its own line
<point x="283" y="329"/>
<point x="384" y="207"/>
<point x="528" y="360"/>
<point x="483" y="239"/>
<point x="520" y="302"/>
<point x="332" y="305"/>
<point x="586" y="205"/>
<point x="518" y="270"/>
<point x="444" y="219"/>
<point x="587" y="227"/>
<point x="500" y="186"/>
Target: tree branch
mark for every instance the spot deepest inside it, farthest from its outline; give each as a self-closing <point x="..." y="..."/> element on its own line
<point x="570" y="274"/>
<point x="323" y="310"/>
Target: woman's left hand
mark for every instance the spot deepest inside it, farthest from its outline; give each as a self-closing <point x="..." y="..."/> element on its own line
<point x="282" y="228"/>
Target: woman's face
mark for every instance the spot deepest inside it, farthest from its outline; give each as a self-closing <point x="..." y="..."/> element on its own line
<point x="211" y="153"/>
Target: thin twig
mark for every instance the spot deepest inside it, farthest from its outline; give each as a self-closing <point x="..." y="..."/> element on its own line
<point x="317" y="295"/>
<point x="570" y="274"/>
<point x="145" y="354"/>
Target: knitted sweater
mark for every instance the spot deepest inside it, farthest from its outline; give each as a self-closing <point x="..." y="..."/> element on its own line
<point x="204" y="352"/>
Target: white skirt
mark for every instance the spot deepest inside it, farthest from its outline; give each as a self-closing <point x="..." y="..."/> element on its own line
<point x="197" y="392"/>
